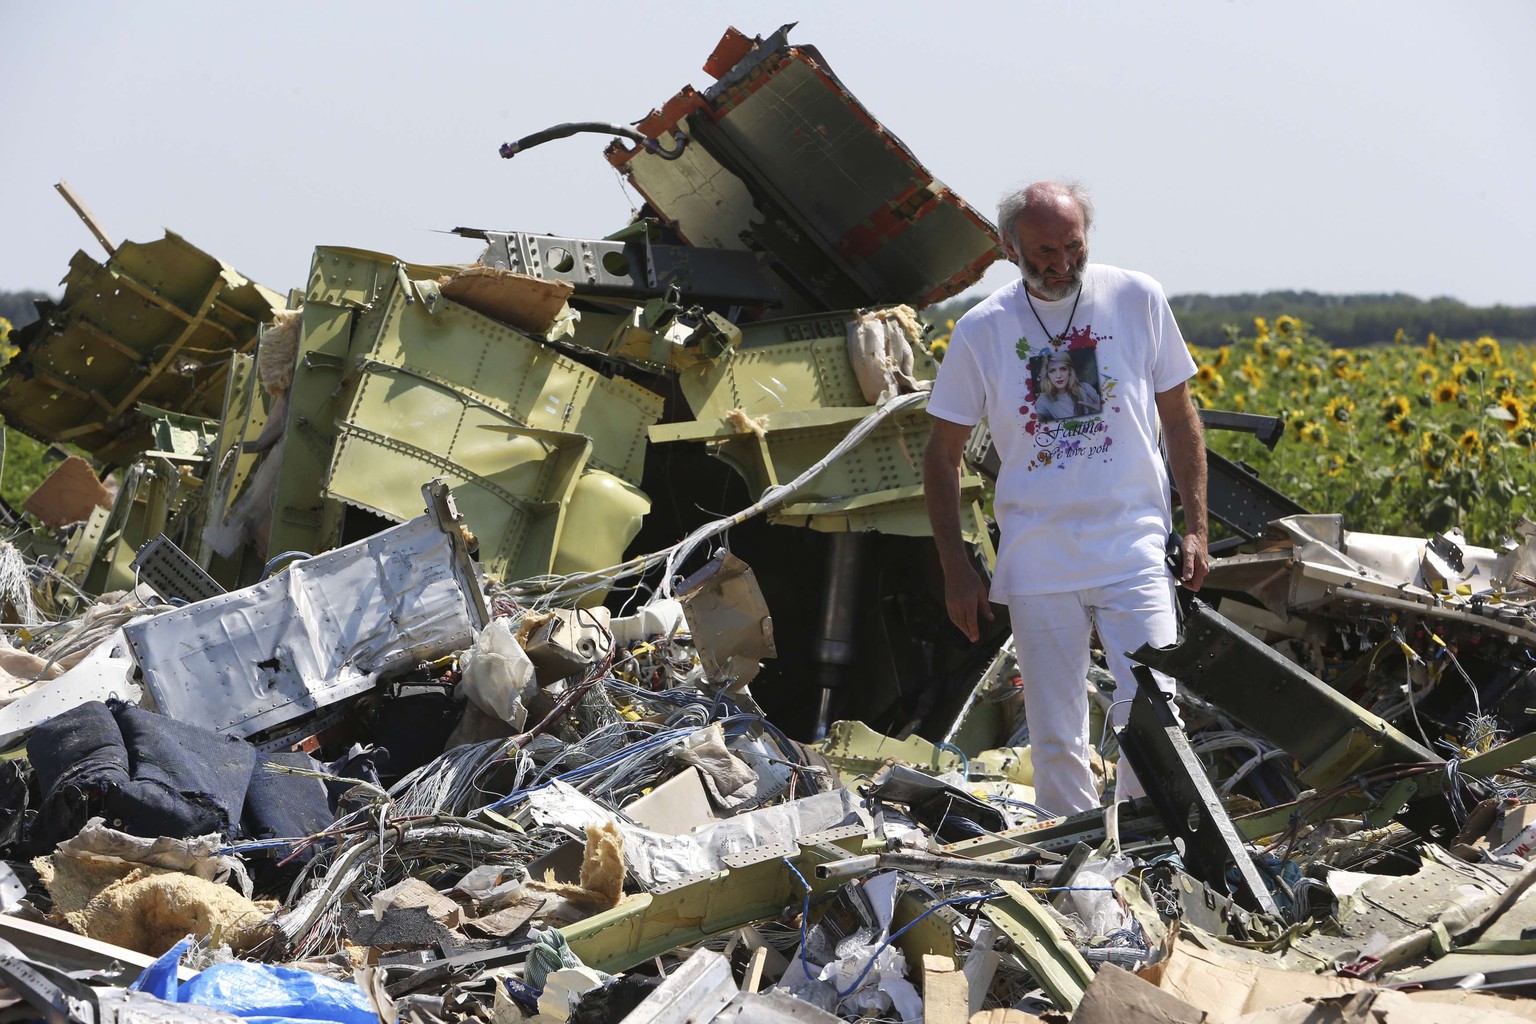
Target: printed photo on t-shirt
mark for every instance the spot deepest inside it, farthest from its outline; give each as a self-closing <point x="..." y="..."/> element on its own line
<point x="1066" y="384"/>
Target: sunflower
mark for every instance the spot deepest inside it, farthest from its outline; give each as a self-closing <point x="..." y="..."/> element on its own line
<point x="1261" y="346"/>
<point x="1488" y="351"/>
<point x="1516" y="411"/>
<point x="1283" y="356"/>
<point x="1400" y="337"/>
<point x="1333" y="464"/>
<point x="1286" y="325"/>
<point x="1395" y="409"/>
<point x="1314" y="375"/>
<point x="1314" y="433"/>
<point x="1222" y="355"/>
<point x="1432" y="343"/>
<point x="1251" y="373"/>
<point x="1339" y="411"/>
<point x="1432" y="453"/>
<point x="1470" y="443"/>
<point x="1426" y="374"/>
<point x="1260" y="329"/>
<point x="1462" y="372"/>
<point x="1340" y="362"/>
<point x="1239" y="402"/>
<point x="1210" y="379"/>
<point x="938" y="347"/>
<point x="1447" y="391"/>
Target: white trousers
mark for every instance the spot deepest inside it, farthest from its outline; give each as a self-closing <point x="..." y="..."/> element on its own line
<point x="1051" y="635"/>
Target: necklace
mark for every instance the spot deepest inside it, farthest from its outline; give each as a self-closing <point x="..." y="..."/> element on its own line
<point x="1054" y="338"/>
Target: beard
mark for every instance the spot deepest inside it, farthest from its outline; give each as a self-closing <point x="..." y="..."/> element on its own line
<point x="1051" y="291"/>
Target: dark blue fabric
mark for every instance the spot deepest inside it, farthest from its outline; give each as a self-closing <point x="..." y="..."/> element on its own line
<point x="146" y="774"/>
<point x="185" y="780"/>
<point x="281" y="804"/>
<point x="78" y="757"/>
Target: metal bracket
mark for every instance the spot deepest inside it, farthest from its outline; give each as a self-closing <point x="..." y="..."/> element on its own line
<point x="633" y="269"/>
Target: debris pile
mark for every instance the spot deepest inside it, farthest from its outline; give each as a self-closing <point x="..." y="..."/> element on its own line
<point x="557" y="639"/>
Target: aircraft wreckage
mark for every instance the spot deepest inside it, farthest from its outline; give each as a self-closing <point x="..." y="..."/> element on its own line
<point x="558" y="637"/>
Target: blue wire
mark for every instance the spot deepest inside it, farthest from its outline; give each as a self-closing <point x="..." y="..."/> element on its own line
<point x="965" y="762"/>
<point x="805" y="914"/>
<point x="955" y="902"/>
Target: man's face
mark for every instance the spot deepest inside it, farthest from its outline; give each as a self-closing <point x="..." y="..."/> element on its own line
<point x="1052" y="249"/>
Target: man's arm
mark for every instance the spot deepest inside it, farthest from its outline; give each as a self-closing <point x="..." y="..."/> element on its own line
<point x="1186" y="458"/>
<point x="964" y="592"/>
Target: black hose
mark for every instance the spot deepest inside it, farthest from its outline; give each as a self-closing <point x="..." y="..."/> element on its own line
<point x="562" y="131"/>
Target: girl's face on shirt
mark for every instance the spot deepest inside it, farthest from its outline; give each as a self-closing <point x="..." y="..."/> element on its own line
<point x="1058" y="374"/>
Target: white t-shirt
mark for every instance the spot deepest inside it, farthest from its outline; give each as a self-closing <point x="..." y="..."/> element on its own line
<point x="1083" y="495"/>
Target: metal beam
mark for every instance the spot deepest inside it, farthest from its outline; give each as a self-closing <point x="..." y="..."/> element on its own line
<point x="1191" y="811"/>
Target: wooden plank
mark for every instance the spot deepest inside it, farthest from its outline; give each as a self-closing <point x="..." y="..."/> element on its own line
<point x="85" y="215"/>
<point x="946" y="992"/>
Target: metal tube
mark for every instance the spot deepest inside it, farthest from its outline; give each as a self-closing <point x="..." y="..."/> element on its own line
<point x="930" y="864"/>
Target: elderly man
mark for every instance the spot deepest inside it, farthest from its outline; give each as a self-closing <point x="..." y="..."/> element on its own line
<point x="1077" y="369"/>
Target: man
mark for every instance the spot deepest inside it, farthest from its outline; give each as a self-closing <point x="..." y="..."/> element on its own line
<point x="1083" y="498"/>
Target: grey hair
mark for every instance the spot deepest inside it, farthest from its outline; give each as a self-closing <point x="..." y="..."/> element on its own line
<point x="1021" y="200"/>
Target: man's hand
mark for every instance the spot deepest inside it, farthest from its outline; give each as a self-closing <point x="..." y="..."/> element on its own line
<point x="1186" y="459"/>
<point x="1197" y="562"/>
<point x="964" y="591"/>
<point x="965" y="594"/>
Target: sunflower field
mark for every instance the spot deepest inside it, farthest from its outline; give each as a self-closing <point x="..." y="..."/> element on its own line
<point x="1409" y="438"/>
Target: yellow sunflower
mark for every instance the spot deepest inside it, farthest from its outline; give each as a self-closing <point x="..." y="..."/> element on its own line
<point x="1395" y="409"/>
<point x="1251" y="373"/>
<point x="1488" y="351"/>
<point x="1260" y="329"/>
<point x="1400" y="337"/>
<point x="1339" y="411"/>
<point x="1516" y="411"/>
<point x="1462" y="371"/>
<point x="1340" y="360"/>
<point x="938" y="347"/>
<point x="1432" y="453"/>
<point x="1283" y="356"/>
<point x="1432" y="343"/>
<point x="1470" y="443"/>
<point x="1426" y="374"/>
<point x="1447" y="391"/>
<point x="1285" y="325"/>
<point x="1210" y="379"/>
<point x="1314" y="433"/>
<point x="1333" y="464"/>
<point x="1222" y="355"/>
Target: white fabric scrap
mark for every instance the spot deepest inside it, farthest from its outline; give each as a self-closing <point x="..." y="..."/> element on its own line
<point x="498" y="676"/>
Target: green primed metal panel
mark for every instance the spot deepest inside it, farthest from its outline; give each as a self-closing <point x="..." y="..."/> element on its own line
<point x="155" y="324"/>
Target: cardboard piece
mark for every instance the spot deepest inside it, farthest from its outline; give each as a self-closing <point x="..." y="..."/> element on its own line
<point x="527" y="303"/>
<point x="1117" y="995"/>
<point x="69" y="495"/>
<point x="1379" y="1006"/>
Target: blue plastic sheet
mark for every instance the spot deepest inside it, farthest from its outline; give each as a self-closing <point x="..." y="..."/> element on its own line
<point x="261" y="993"/>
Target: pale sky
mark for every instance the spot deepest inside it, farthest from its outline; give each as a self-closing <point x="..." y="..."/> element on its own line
<point x="1230" y="146"/>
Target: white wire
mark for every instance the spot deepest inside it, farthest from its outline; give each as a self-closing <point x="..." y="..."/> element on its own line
<point x="543" y="591"/>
